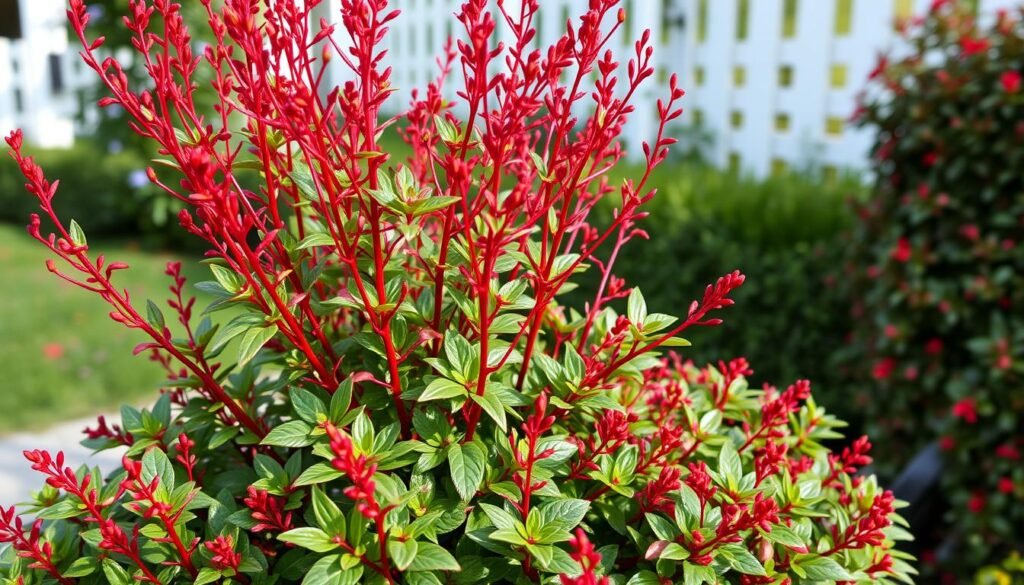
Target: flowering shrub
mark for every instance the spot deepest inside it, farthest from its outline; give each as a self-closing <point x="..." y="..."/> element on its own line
<point x="942" y="267"/>
<point x="409" y="402"/>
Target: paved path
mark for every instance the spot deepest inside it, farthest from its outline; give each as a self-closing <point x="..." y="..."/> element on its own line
<point x="18" y="481"/>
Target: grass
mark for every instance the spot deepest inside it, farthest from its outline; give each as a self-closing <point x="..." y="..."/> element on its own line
<point x="61" y="356"/>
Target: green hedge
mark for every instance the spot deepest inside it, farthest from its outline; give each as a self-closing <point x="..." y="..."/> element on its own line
<point x="783" y="233"/>
<point x="95" y="188"/>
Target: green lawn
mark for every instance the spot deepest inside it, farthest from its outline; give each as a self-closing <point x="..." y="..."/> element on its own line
<point x="61" y="356"/>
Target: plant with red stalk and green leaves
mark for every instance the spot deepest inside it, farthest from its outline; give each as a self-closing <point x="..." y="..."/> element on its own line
<point x="410" y="403"/>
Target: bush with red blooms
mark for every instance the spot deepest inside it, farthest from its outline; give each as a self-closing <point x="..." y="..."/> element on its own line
<point x="939" y="277"/>
<point x="409" y="402"/>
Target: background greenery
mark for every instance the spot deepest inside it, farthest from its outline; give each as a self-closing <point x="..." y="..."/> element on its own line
<point x="783" y="233"/>
<point x="61" y="356"/>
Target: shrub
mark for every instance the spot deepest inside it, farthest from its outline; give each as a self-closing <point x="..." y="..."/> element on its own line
<point x="409" y="402"/>
<point x="940" y="268"/>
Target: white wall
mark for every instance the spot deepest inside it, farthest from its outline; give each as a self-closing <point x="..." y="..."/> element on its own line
<point x="45" y="116"/>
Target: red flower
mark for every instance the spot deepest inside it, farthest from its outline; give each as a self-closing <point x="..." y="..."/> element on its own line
<point x="933" y="346"/>
<point x="1004" y="361"/>
<point x="902" y="251"/>
<point x="970" y="231"/>
<point x="53" y="351"/>
<point x="1011" y="81"/>
<point x="1007" y="451"/>
<point x="268" y="511"/>
<point x="359" y="469"/>
<point x="929" y="161"/>
<point x="583" y="552"/>
<point x="947" y="443"/>
<point x="880" y="66"/>
<point x="976" y="503"/>
<point x="972" y="46"/>
<point x="224" y="555"/>
<point x="883" y="368"/>
<point x="967" y="409"/>
<point x="1006" y="485"/>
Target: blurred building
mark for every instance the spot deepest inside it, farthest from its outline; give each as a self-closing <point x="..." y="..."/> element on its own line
<point x="36" y="90"/>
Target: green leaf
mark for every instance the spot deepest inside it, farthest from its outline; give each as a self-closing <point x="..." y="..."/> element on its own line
<point x="318" y="473"/>
<point x="61" y="510"/>
<point x="740" y="559"/>
<point x="341" y="400"/>
<point x="691" y="504"/>
<point x="434" y="203"/>
<point x="510" y="535"/>
<point x="82" y="567"/>
<point x="228" y="279"/>
<point x="824" y="568"/>
<point x="116" y="575"/>
<point x="729" y="463"/>
<point x="662" y="528"/>
<point x="466" y="463"/>
<point x="223" y="436"/>
<point x="293" y="433"/>
<point x="785" y="536"/>
<point x="432" y="557"/>
<point x="306" y="404"/>
<point x="544" y="553"/>
<point x="493" y="407"/>
<point x="328" y="516"/>
<point x="566" y="513"/>
<point x="575" y="368"/>
<point x="694" y="574"/>
<point x="314" y="539"/>
<point x="155" y="316"/>
<point x="207" y="575"/>
<point x="317" y="239"/>
<point x="498" y="516"/>
<point x="636" y="307"/>
<point x="440" y="388"/>
<point x="326" y="571"/>
<point x="644" y="578"/>
<point x="156" y="464"/>
<point x="253" y="341"/>
<point x="674" y="552"/>
<point x="77" y="234"/>
<point x="402" y="553"/>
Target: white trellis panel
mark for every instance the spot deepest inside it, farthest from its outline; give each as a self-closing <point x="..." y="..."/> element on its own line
<point x="777" y="95"/>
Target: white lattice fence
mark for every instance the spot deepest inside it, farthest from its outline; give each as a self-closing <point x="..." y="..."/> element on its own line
<point x="773" y="81"/>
